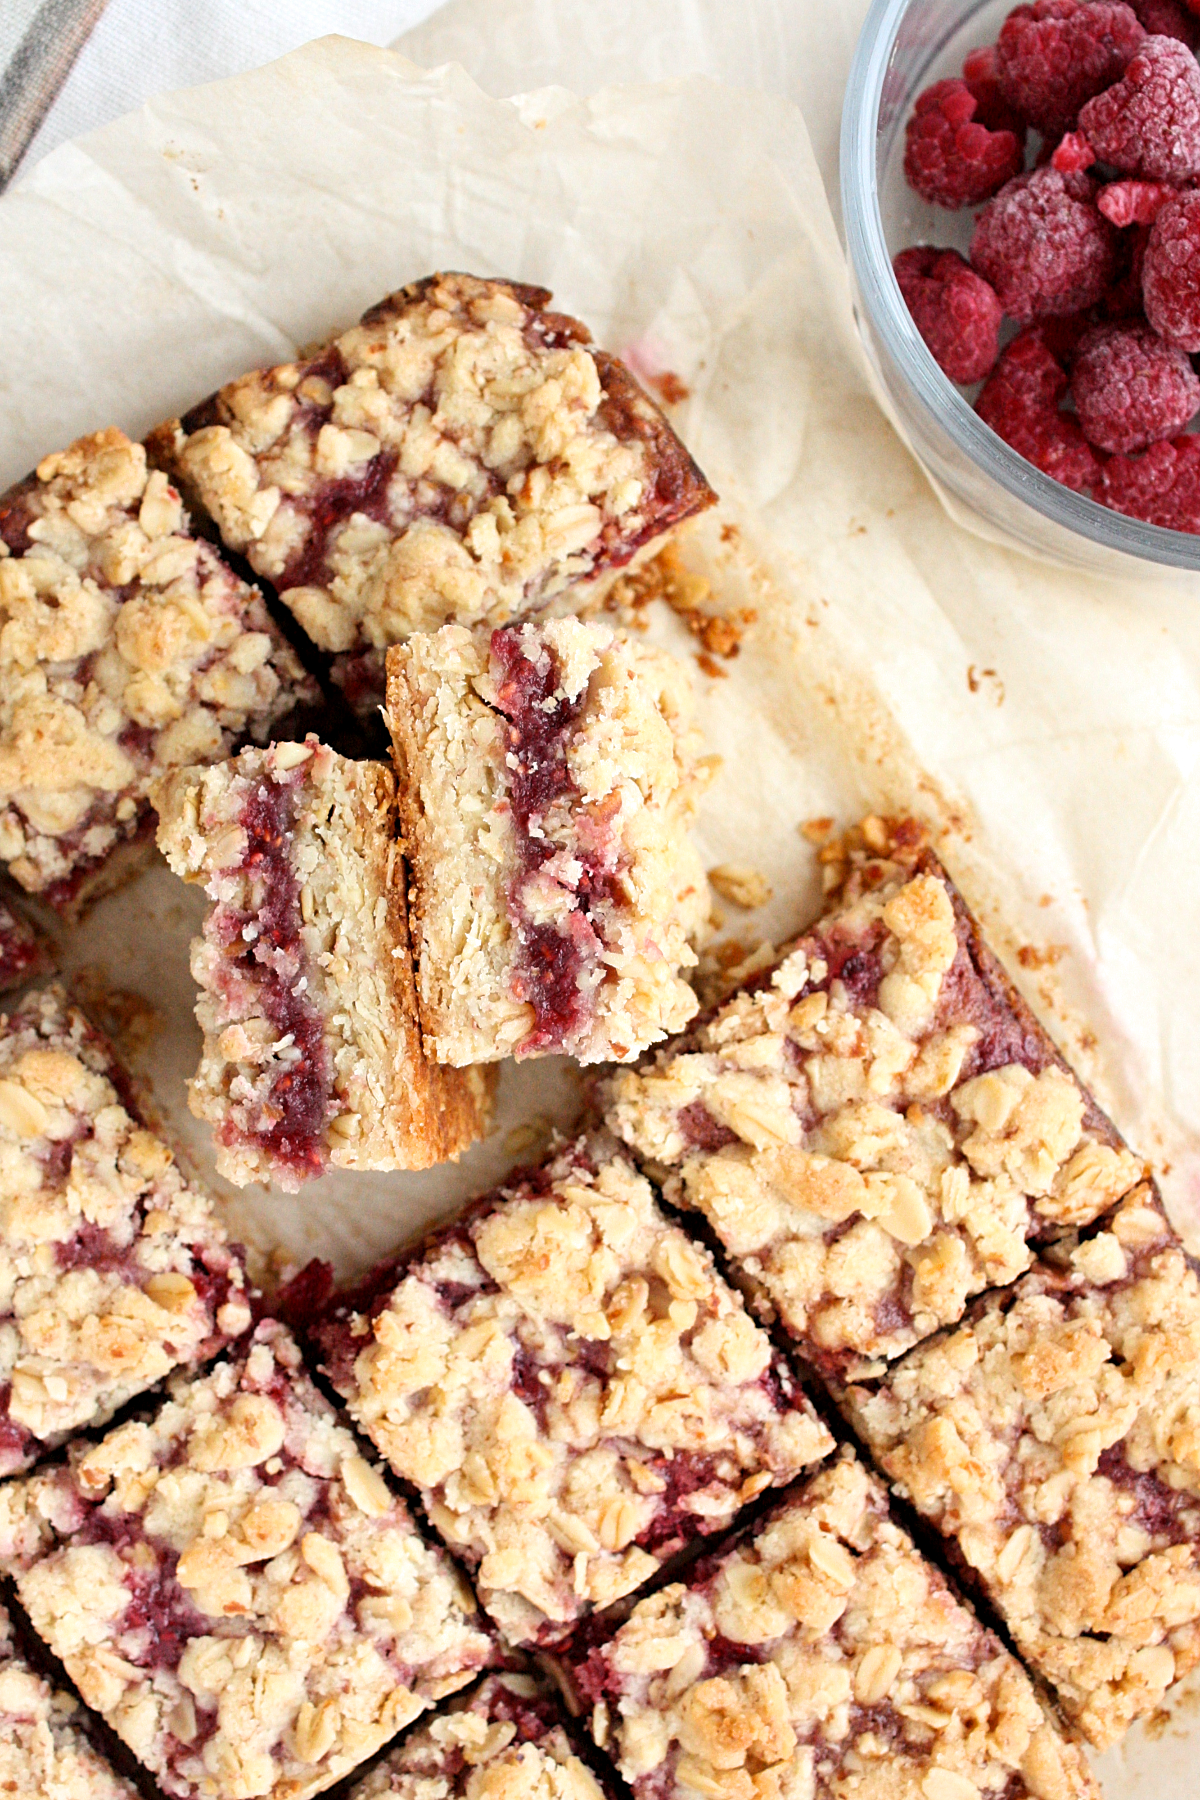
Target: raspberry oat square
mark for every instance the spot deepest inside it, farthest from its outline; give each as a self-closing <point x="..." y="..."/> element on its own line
<point x="547" y="776"/>
<point x="127" y="646"/>
<point x="1054" y="1440"/>
<point x="235" y="1590"/>
<point x="462" y="454"/>
<point x="877" y="1128"/>
<point x="113" y="1269"/>
<point x="505" y="1740"/>
<point x="571" y="1386"/>
<point x="43" y="1752"/>
<point x="822" y="1655"/>
<point x="312" y="1051"/>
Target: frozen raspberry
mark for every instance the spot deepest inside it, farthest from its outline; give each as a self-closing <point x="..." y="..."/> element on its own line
<point x="1073" y="154"/>
<point x="983" y="78"/>
<point x="1020" y="403"/>
<point x="1160" y="488"/>
<point x="1167" y="18"/>
<point x="1043" y="245"/>
<point x="1149" y="122"/>
<point x="1055" y="54"/>
<point x="949" y="158"/>
<point x="955" y="311"/>
<point x="1134" y="202"/>
<point x="1171" y="272"/>
<point x="1130" y="389"/>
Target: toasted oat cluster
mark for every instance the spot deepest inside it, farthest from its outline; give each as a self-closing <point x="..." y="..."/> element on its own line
<point x="504" y="1741"/>
<point x="547" y="776"/>
<point x="126" y="647"/>
<point x="22" y="952"/>
<point x="43" y="1753"/>
<point x="235" y="1589"/>
<point x="312" y="1051"/>
<point x="113" y="1268"/>
<point x="1055" y="1440"/>
<point x="573" y="1388"/>
<point x="460" y="454"/>
<point x="878" y="1128"/>
<point x="822" y="1656"/>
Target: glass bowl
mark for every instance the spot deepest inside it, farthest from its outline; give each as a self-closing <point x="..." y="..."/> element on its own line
<point x="905" y="45"/>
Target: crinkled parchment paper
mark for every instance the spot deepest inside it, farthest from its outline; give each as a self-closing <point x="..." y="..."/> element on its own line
<point x="1049" y="729"/>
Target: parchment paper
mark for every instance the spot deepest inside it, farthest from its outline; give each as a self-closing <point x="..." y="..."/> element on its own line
<point x="1049" y="730"/>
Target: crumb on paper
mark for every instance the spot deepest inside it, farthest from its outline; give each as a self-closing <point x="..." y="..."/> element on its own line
<point x="817" y="831"/>
<point x="689" y="597"/>
<point x="671" y="389"/>
<point x="710" y="668"/>
<point x="979" y="679"/>
<point x="1040" y="956"/>
<point x="742" y="884"/>
<point x="128" y="1019"/>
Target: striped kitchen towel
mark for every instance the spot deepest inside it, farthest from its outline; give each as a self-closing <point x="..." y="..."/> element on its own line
<point x="39" y="41"/>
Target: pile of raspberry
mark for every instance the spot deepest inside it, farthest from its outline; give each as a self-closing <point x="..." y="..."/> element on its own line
<point x="1077" y="136"/>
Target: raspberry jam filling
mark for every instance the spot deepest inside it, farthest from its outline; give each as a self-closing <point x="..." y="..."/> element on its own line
<point x="1166" y="1514"/>
<point x="264" y="955"/>
<point x="558" y="961"/>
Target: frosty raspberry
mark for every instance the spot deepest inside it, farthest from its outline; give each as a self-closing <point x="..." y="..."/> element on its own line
<point x="1160" y="488"/>
<point x="1171" y="274"/>
<point x="1054" y="55"/>
<point x="955" y="311"/>
<point x="1130" y="388"/>
<point x="950" y="158"/>
<point x="1044" y="246"/>
<point x="1149" y="123"/>
<point x="1020" y="403"/>
<point x="1134" y="202"/>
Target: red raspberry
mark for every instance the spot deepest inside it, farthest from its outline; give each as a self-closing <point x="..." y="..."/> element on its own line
<point x="1055" y="54"/>
<point x="949" y="158"/>
<point x="1149" y="122"/>
<point x="1073" y="154"/>
<point x="1020" y="403"/>
<point x="1130" y="389"/>
<point x="1160" y="488"/>
<point x="1171" y="272"/>
<point x="1043" y="245"/>
<point x="955" y="311"/>
<point x="1167" y="18"/>
<point x="1134" y="202"/>
<point x="983" y="78"/>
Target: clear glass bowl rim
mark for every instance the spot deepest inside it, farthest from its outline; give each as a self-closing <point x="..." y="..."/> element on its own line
<point x="880" y="295"/>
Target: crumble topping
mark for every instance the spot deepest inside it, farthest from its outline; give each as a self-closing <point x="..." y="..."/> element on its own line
<point x="1055" y="1440"/>
<point x="113" y="1268"/>
<point x="502" y="1742"/>
<point x="127" y="647"/>
<point x="460" y="454"/>
<point x="877" y="1128"/>
<point x="235" y="1589"/>
<point x="43" y="1752"/>
<point x="572" y="1387"/>
<point x="547" y="777"/>
<point x="822" y="1656"/>
<point x="312" y="1054"/>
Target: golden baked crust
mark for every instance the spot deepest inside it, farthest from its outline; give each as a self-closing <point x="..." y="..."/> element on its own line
<point x="235" y="1590"/>
<point x="503" y="1740"/>
<point x="1055" y="1440"/>
<point x="571" y="1386"/>
<point x="460" y="454"/>
<point x="877" y="1128"/>
<point x="43" y="1752"/>
<point x="114" y="1270"/>
<point x="547" y="776"/>
<point x="822" y="1655"/>
<point x="127" y="647"/>
<point x="312" y="1052"/>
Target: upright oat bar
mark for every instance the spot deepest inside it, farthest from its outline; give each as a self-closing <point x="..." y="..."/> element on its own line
<point x="1054" y="1439"/>
<point x="462" y="454"/>
<point x="824" y="1656"/>
<point x="878" y="1128"/>
<point x="235" y="1589"/>
<point x="547" y="776"/>
<point x="113" y="1268"/>
<point x="127" y="646"/>
<point x="504" y="1740"/>
<point x="43" y="1752"/>
<point x="312" y="1051"/>
<point x="572" y="1387"/>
